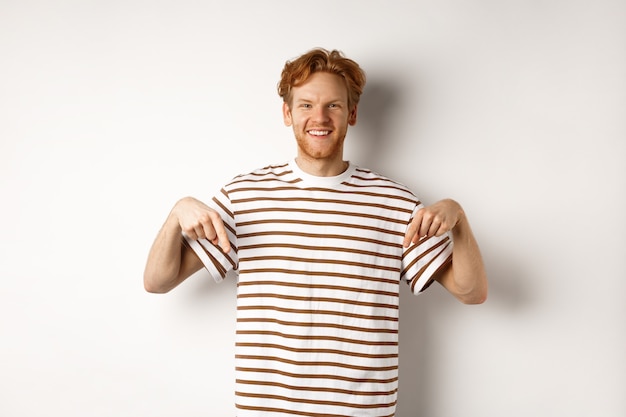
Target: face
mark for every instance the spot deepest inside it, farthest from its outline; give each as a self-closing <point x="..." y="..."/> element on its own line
<point x="319" y="116"/>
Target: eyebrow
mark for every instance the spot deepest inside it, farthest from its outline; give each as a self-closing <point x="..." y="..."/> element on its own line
<point x="308" y="100"/>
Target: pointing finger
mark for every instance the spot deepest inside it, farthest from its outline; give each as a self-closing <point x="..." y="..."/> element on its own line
<point x="408" y="235"/>
<point x="412" y="234"/>
<point x="221" y="236"/>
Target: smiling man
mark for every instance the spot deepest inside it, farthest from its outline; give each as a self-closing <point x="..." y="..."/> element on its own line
<point x="320" y="247"/>
<point x="319" y="112"/>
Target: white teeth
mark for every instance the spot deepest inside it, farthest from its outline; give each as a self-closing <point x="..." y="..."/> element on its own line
<point x="318" y="132"/>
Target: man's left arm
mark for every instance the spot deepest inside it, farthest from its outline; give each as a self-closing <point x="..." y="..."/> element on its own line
<point x="465" y="276"/>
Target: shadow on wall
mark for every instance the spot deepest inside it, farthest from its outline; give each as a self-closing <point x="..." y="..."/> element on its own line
<point x="203" y="289"/>
<point x="373" y="129"/>
<point x="419" y="383"/>
<point x="508" y="291"/>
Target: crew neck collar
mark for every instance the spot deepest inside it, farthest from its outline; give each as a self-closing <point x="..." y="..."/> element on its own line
<point x="315" y="180"/>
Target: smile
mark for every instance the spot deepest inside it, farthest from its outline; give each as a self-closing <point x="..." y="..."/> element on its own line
<point x="319" y="132"/>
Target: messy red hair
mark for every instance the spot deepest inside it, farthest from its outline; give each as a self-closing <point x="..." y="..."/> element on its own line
<point x="296" y="72"/>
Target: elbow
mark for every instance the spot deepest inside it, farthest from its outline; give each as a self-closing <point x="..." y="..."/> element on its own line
<point x="478" y="295"/>
<point x="474" y="299"/>
<point x="153" y="290"/>
<point x="151" y="285"/>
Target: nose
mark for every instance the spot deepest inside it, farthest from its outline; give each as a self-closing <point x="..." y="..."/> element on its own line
<point x="320" y="114"/>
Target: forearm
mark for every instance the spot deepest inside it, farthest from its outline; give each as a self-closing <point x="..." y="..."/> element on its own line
<point x="162" y="272"/>
<point x="469" y="279"/>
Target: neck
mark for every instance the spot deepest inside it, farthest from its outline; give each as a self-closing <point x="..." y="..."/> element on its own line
<point x="322" y="167"/>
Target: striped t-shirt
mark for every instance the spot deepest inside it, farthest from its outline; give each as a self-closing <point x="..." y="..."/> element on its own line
<point x="319" y="262"/>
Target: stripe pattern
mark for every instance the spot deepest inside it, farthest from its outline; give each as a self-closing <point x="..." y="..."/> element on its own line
<point x="319" y="264"/>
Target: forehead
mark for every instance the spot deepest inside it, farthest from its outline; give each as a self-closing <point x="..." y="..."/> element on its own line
<point x="321" y="86"/>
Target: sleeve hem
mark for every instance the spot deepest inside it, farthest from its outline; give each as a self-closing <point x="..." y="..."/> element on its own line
<point x="204" y="258"/>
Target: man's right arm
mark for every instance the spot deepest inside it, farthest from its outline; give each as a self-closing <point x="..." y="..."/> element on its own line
<point x="170" y="260"/>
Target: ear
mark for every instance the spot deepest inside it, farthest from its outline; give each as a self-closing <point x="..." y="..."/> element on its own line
<point x="352" y="116"/>
<point x="286" y="114"/>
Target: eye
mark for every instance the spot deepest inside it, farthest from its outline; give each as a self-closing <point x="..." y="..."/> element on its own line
<point x="305" y="105"/>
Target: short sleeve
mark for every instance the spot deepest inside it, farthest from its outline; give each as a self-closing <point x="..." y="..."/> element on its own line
<point x="422" y="261"/>
<point x="215" y="261"/>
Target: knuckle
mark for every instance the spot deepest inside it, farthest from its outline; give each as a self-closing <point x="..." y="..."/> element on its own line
<point x="213" y="215"/>
<point x="204" y="218"/>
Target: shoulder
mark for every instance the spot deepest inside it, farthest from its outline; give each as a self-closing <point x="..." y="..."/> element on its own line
<point x="269" y="170"/>
<point x="365" y="177"/>
<point x="274" y="172"/>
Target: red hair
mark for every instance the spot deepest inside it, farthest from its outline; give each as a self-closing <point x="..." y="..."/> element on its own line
<point x="296" y="72"/>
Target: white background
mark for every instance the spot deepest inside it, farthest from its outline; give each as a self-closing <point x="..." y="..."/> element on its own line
<point x="112" y="110"/>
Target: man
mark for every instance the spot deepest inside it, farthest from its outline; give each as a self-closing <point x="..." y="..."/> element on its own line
<point x="320" y="246"/>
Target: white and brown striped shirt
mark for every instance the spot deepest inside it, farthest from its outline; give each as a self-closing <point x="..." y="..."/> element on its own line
<point x="319" y="262"/>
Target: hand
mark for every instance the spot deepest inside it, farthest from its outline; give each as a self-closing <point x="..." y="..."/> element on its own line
<point x="434" y="220"/>
<point x="199" y="221"/>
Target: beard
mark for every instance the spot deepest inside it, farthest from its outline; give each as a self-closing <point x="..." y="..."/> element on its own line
<point x="328" y="148"/>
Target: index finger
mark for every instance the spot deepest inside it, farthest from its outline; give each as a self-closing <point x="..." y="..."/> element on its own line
<point x="412" y="231"/>
<point x="220" y="231"/>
